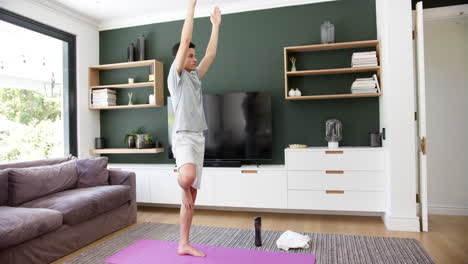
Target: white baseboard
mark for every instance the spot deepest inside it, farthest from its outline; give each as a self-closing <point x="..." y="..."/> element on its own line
<point x="446" y="210"/>
<point x="410" y="224"/>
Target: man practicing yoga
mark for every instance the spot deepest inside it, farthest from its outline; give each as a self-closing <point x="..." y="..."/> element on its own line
<point x="188" y="142"/>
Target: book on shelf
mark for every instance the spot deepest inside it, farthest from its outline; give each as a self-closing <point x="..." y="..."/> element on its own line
<point x="104" y="96"/>
<point x="364" y="59"/>
<point x="376" y="82"/>
<point x="365" y="85"/>
<point x="104" y="90"/>
<point x="104" y="104"/>
<point x="364" y="91"/>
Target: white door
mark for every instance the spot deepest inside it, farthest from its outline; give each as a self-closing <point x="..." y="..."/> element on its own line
<point x="421" y="101"/>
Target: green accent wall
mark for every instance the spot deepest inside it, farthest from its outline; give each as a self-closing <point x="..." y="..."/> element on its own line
<point x="250" y="58"/>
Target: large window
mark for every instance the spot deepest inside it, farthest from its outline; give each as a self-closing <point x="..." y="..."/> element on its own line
<point x="37" y="90"/>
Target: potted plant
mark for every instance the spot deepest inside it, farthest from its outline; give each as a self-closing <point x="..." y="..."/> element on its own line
<point x="148" y="142"/>
<point x="140" y="137"/>
<point x="130" y="139"/>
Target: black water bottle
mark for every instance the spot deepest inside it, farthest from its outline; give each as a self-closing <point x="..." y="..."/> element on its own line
<point x="258" y="231"/>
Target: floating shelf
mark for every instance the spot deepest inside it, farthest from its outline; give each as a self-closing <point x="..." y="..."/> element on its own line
<point x="123" y="65"/>
<point x="333" y="71"/>
<point x="129" y="85"/>
<point x="332" y="96"/>
<point x="123" y="106"/>
<point x="126" y="151"/>
<point x="334" y="46"/>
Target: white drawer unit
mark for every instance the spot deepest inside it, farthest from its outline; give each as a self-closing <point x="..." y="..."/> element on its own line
<point x="340" y="159"/>
<point x="338" y="200"/>
<point x="344" y="179"/>
<point x="336" y="180"/>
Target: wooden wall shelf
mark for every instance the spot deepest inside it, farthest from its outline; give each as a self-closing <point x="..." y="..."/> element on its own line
<point x="334" y="46"/>
<point x="332" y="96"/>
<point x="127" y="151"/>
<point x="130" y="85"/>
<point x="333" y="71"/>
<point x="157" y="84"/>
<point x="123" y="106"/>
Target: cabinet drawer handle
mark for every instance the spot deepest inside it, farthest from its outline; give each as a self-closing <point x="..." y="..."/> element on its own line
<point x="175" y="170"/>
<point x="334" y="192"/>
<point x="333" y="152"/>
<point x="334" y="172"/>
<point x="248" y="171"/>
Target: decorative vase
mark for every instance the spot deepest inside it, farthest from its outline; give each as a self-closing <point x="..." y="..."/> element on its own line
<point x="141" y="48"/>
<point x="293" y="67"/>
<point x="140" y="141"/>
<point x="292" y="92"/>
<point x="298" y="92"/>
<point x="130" y="94"/>
<point x="99" y="143"/>
<point x="333" y="132"/>
<point x="131" y="53"/>
<point x="327" y="32"/>
<point x="131" y="141"/>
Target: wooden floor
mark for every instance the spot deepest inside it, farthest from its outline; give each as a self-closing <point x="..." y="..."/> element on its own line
<point x="447" y="241"/>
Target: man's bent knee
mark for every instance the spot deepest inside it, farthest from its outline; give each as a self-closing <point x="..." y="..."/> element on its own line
<point x="187" y="175"/>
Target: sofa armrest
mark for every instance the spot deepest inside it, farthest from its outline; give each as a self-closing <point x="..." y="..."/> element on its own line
<point x="119" y="177"/>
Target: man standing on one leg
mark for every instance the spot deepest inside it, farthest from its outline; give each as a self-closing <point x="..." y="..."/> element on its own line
<point x="188" y="142"/>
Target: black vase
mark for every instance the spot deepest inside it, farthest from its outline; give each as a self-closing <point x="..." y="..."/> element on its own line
<point x="131" y="52"/>
<point x="99" y="143"/>
<point x="141" y="48"/>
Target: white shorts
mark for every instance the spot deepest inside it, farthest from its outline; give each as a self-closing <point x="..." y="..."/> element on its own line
<point x="189" y="147"/>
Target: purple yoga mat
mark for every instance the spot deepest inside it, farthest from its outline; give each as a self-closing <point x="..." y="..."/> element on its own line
<point x="164" y="252"/>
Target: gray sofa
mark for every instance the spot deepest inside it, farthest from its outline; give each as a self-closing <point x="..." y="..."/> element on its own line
<point x="50" y="208"/>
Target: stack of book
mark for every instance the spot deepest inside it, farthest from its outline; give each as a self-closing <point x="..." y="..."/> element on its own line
<point x="364" y="59"/>
<point x="365" y="85"/>
<point x="104" y="97"/>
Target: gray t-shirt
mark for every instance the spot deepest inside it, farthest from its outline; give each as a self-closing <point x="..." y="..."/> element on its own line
<point x="186" y="97"/>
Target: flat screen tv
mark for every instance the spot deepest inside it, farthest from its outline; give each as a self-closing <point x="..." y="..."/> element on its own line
<point x="239" y="127"/>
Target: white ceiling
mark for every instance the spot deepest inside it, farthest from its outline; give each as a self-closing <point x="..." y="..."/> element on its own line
<point x="110" y="14"/>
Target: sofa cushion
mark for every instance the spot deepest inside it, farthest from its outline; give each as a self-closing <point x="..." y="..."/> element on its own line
<point x="18" y="225"/>
<point x="79" y="205"/>
<point x="36" y="163"/>
<point x="92" y="172"/>
<point x="3" y="187"/>
<point x="27" y="184"/>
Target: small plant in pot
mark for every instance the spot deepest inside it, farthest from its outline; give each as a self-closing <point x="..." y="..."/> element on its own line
<point x="130" y="139"/>
<point x="142" y="138"/>
<point x="148" y="142"/>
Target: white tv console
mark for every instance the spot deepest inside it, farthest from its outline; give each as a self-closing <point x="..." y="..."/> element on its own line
<point x="345" y="179"/>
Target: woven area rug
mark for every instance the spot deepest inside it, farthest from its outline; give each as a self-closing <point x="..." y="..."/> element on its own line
<point x="328" y="248"/>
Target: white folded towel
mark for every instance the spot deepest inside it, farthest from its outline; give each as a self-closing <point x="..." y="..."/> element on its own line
<point x="290" y="239"/>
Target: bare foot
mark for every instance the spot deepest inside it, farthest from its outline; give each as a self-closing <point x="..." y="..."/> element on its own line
<point x="189" y="250"/>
